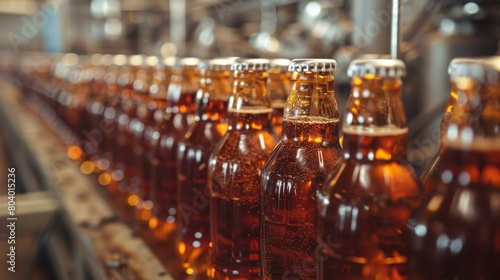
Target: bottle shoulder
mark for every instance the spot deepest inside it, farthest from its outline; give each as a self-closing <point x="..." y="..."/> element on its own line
<point x="305" y="158"/>
<point x="250" y="143"/>
<point x="373" y="180"/>
<point x="204" y="135"/>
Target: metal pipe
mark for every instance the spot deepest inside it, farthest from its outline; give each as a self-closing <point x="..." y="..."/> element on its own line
<point x="372" y="21"/>
<point x="395" y="35"/>
<point x="178" y="25"/>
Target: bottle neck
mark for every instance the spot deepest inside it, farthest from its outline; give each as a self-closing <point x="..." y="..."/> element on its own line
<point x="311" y="112"/>
<point x="312" y="94"/>
<point x="250" y="105"/>
<point x="181" y="93"/>
<point x="374" y="145"/>
<point x="375" y="124"/>
<point x="475" y="116"/>
<point x="213" y="96"/>
<point x="279" y="88"/>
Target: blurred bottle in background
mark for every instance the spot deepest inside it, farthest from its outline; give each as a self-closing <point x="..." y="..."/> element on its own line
<point x="430" y="175"/>
<point x="279" y="87"/>
<point x="193" y="233"/>
<point x="455" y="234"/>
<point x="181" y="101"/>
<point x="156" y="110"/>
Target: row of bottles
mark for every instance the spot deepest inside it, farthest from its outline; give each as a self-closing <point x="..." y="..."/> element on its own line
<point x="240" y="164"/>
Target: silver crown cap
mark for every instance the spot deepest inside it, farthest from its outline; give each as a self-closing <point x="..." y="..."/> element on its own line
<point x="220" y="64"/>
<point x="152" y="60"/>
<point x="485" y="69"/>
<point x="136" y="59"/>
<point x="313" y="65"/>
<point x="250" y="64"/>
<point x="380" y="67"/>
<point x="186" y="62"/>
<point x="280" y="64"/>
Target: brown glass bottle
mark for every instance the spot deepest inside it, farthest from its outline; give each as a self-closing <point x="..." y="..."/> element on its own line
<point x="193" y="233"/>
<point x="181" y="98"/>
<point x="456" y="233"/>
<point x="78" y="93"/>
<point x="430" y="176"/>
<point x="279" y="87"/>
<point x="364" y="206"/>
<point x="234" y="174"/>
<point x="156" y="110"/>
<point x="309" y="150"/>
<point x="129" y="99"/>
<point x="110" y="113"/>
<point x="137" y="123"/>
<point x="97" y="132"/>
<point x="92" y="134"/>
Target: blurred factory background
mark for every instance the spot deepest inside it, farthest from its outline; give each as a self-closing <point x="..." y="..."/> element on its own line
<point x="432" y="32"/>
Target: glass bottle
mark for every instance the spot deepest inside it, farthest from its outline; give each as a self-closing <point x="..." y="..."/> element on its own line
<point x="365" y="205"/>
<point x="455" y="234"/>
<point x="309" y="150"/>
<point x="193" y="233"/>
<point x="110" y="113"/>
<point x="181" y="100"/>
<point x="95" y="110"/>
<point x="430" y="176"/>
<point x="234" y="174"/>
<point x="129" y="99"/>
<point x="137" y="123"/>
<point x="92" y="135"/>
<point x="279" y="87"/>
<point x="156" y="110"/>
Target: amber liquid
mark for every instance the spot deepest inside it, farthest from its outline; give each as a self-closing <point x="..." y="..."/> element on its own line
<point x="456" y="233"/>
<point x="94" y="131"/>
<point x="144" y="154"/>
<point x="164" y="167"/>
<point x="108" y="121"/>
<point x="278" y="108"/>
<point x="193" y="235"/>
<point x="364" y="209"/>
<point x="121" y="121"/>
<point x="235" y="174"/>
<point x="125" y="148"/>
<point x="295" y="171"/>
<point x="138" y="117"/>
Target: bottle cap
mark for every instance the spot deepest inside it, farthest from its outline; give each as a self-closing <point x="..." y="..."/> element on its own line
<point x="380" y="67"/>
<point x="96" y="59"/>
<point x="280" y="64"/>
<point x="484" y="69"/>
<point x="119" y="59"/>
<point x="313" y="65"/>
<point x="220" y="64"/>
<point x="107" y="59"/>
<point x="250" y="64"/>
<point x="136" y="60"/>
<point x="186" y="62"/>
<point x="152" y="60"/>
